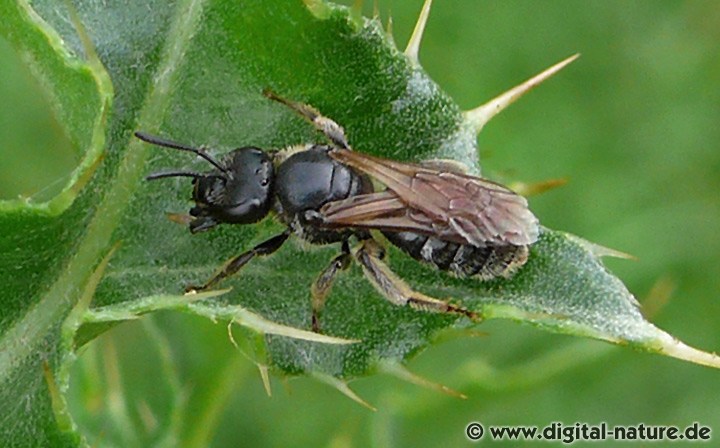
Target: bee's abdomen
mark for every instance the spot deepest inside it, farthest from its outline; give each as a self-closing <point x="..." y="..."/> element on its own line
<point x="460" y="259"/>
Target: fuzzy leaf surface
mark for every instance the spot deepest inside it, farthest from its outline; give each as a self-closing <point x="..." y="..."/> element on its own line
<point x="194" y="71"/>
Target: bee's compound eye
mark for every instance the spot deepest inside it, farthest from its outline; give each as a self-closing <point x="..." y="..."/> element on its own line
<point x="208" y="189"/>
<point x="248" y="192"/>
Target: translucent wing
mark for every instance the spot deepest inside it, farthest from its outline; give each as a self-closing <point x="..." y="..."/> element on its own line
<point x="383" y="211"/>
<point x="450" y="205"/>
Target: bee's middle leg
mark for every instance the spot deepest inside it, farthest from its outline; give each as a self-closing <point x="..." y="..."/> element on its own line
<point x="323" y="283"/>
<point x="333" y="131"/>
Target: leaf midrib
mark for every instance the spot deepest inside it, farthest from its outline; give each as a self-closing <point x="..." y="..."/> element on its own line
<point x="21" y="339"/>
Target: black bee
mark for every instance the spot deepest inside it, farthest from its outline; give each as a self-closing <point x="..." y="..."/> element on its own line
<point x="433" y="211"/>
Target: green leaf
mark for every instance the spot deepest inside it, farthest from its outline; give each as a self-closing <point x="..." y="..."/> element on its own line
<point x="194" y="71"/>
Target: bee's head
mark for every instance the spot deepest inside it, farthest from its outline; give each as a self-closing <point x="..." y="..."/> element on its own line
<point x="237" y="191"/>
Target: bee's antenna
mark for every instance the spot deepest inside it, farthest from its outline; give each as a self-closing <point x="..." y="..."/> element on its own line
<point x="162" y="175"/>
<point x="174" y="145"/>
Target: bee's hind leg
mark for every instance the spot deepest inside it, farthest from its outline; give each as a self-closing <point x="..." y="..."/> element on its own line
<point x="333" y="131"/>
<point x="324" y="282"/>
<point x="394" y="289"/>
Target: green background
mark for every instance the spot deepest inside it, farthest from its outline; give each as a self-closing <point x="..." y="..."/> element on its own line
<point x="634" y="127"/>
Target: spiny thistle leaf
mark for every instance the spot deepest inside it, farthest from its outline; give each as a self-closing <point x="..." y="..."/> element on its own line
<point x="194" y="70"/>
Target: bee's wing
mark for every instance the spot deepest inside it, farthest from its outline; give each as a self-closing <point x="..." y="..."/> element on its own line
<point x="383" y="211"/>
<point x="453" y="206"/>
